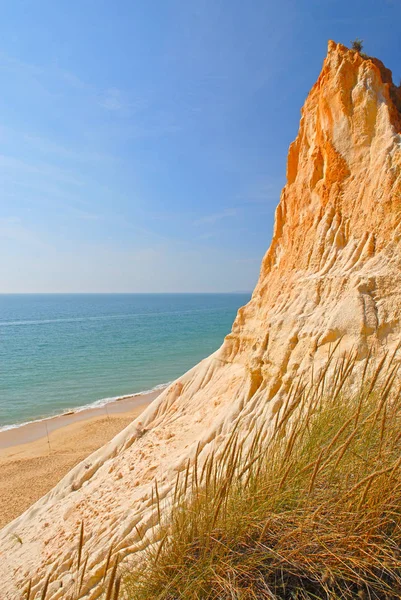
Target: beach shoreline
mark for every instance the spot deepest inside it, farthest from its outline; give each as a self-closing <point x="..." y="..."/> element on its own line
<point x="16" y="435"/>
<point x="35" y="456"/>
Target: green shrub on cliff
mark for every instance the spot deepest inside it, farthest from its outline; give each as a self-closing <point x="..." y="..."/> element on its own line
<point x="357" y="44"/>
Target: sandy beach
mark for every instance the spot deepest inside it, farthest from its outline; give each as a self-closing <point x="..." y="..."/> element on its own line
<point x="34" y="457"/>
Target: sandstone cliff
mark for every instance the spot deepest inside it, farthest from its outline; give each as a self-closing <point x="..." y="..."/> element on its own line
<point x="331" y="274"/>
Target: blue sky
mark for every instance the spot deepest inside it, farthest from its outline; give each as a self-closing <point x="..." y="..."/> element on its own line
<point x="143" y="144"/>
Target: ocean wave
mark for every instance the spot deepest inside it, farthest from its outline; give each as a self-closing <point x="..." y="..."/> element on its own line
<point x="106" y="317"/>
<point x="96" y="404"/>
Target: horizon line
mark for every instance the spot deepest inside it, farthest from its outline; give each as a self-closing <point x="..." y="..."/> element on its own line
<point x="115" y="293"/>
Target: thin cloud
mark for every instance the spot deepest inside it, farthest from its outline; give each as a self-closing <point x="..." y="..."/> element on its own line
<point x="47" y="146"/>
<point x="262" y="191"/>
<point x="113" y="100"/>
<point x="246" y="261"/>
<point x="206" y="236"/>
<point x="8" y="163"/>
<point x="15" y="65"/>
<point x="11" y="63"/>
<point x="86" y="215"/>
<point x="215" y="217"/>
<point x="12" y="228"/>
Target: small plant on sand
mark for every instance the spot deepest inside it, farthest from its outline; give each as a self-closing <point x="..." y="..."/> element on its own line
<point x="17" y="538"/>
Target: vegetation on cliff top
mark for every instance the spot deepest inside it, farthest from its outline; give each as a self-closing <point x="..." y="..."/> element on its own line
<point x="357" y="44"/>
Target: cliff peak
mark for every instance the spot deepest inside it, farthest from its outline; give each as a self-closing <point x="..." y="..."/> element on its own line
<point x="340" y="53"/>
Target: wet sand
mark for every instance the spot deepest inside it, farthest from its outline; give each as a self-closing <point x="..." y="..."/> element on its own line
<point x="34" y="457"/>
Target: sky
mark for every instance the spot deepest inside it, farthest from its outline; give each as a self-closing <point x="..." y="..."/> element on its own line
<point x="143" y="144"/>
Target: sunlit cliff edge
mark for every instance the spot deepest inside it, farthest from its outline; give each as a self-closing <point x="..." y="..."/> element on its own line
<point x="331" y="276"/>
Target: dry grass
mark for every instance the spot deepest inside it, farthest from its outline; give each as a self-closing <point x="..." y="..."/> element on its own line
<point x="307" y="506"/>
<point x="111" y="581"/>
<point x="313" y="511"/>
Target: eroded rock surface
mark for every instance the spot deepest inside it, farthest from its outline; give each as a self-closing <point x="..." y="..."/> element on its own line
<point x="331" y="274"/>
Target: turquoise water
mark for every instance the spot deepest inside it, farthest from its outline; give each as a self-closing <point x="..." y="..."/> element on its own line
<point x="59" y="352"/>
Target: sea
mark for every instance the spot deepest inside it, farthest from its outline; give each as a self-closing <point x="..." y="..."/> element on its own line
<point x="62" y="352"/>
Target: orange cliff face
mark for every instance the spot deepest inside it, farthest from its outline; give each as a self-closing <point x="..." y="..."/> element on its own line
<point x="332" y="274"/>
